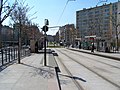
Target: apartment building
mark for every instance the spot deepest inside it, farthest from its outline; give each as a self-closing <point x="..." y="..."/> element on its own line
<point x="67" y="34"/>
<point x="62" y="34"/>
<point x="100" y="23"/>
<point x="57" y="37"/>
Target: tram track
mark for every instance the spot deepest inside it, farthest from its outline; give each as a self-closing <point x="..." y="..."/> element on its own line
<point x="94" y="60"/>
<point x="101" y="76"/>
<point x="70" y="74"/>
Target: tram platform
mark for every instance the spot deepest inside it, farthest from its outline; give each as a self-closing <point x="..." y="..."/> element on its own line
<point x="30" y="74"/>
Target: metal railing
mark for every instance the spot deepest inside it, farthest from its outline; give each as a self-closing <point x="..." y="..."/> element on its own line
<point x="10" y="54"/>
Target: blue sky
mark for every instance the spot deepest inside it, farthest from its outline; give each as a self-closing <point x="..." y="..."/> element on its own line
<point x="52" y="10"/>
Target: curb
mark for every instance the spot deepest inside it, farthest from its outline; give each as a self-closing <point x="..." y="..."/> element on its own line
<point x="115" y="58"/>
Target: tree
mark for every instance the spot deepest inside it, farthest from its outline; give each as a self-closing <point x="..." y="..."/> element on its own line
<point x="19" y="14"/>
<point x="19" y="17"/>
<point x="21" y="20"/>
<point x="115" y="24"/>
<point x="5" y="11"/>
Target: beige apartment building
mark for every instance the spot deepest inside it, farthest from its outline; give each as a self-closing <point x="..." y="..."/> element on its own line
<point x="100" y="25"/>
<point x="67" y="34"/>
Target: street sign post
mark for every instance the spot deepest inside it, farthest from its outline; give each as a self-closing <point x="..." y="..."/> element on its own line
<point x="45" y="29"/>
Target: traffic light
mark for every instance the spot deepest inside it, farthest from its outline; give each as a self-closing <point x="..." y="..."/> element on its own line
<point x="45" y="28"/>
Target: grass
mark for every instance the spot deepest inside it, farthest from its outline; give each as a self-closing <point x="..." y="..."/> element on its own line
<point x="55" y="46"/>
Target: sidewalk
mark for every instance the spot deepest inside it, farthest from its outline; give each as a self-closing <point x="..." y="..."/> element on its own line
<point x="29" y="75"/>
<point x="115" y="56"/>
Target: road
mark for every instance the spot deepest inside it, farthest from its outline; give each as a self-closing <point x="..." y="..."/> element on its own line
<point x="81" y="71"/>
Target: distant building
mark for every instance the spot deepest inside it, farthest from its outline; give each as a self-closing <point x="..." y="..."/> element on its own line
<point x="67" y="34"/>
<point x="7" y="35"/>
<point x="57" y="37"/>
<point x="101" y="22"/>
<point x="27" y="33"/>
<point x="62" y="34"/>
<point x="33" y="32"/>
<point x="50" y="38"/>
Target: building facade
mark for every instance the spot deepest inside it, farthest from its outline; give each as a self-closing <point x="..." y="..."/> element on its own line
<point x="57" y="38"/>
<point x="67" y="34"/>
<point x="7" y="35"/>
<point x="102" y="22"/>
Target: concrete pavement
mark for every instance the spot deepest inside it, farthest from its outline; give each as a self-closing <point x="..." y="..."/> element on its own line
<point x="29" y="75"/>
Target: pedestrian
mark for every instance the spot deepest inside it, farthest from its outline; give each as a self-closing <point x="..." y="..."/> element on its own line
<point x="92" y="48"/>
<point x="80" y="46"/>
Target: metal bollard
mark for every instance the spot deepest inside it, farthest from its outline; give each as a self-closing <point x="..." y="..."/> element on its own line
<point x="9" y="54"/>
<point x="6" y="55"/>
<point x="14" y="52"/>
<point x="2" y="56"/>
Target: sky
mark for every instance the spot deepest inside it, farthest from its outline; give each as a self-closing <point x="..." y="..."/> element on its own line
<point x="53" y="11"/>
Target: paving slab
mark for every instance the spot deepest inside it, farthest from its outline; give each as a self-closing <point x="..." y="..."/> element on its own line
<point x="29" y="75"/>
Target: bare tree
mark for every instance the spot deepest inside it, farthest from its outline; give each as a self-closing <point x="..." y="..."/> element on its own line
<point x="22" y="21"/>
<point x="19" y="14"/>
<point x="5" y="11"/>
<point x="115" y="24"/>
<point x="19" y="17"/>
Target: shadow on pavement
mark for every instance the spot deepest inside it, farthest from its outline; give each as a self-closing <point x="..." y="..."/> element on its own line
<point x="55" y="54"/>
<point x="74" y="77"/>
<point x="45" y="72"/>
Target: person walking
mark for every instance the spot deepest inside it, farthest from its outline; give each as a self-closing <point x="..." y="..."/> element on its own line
<point x="92" y="48"/>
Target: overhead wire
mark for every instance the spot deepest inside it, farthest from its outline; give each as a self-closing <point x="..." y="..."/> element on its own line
<point x="100" y="1"/>
<point x="63" y="11"/>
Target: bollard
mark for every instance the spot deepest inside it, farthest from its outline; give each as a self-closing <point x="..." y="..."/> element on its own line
<point x="9" y="54"/>
<point x="5" y="55"/>
<point x="14" y="52"/>
<point x="2" y="56"/>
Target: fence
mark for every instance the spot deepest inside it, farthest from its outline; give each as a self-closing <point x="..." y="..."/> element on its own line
<point x="10" y="54"/>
